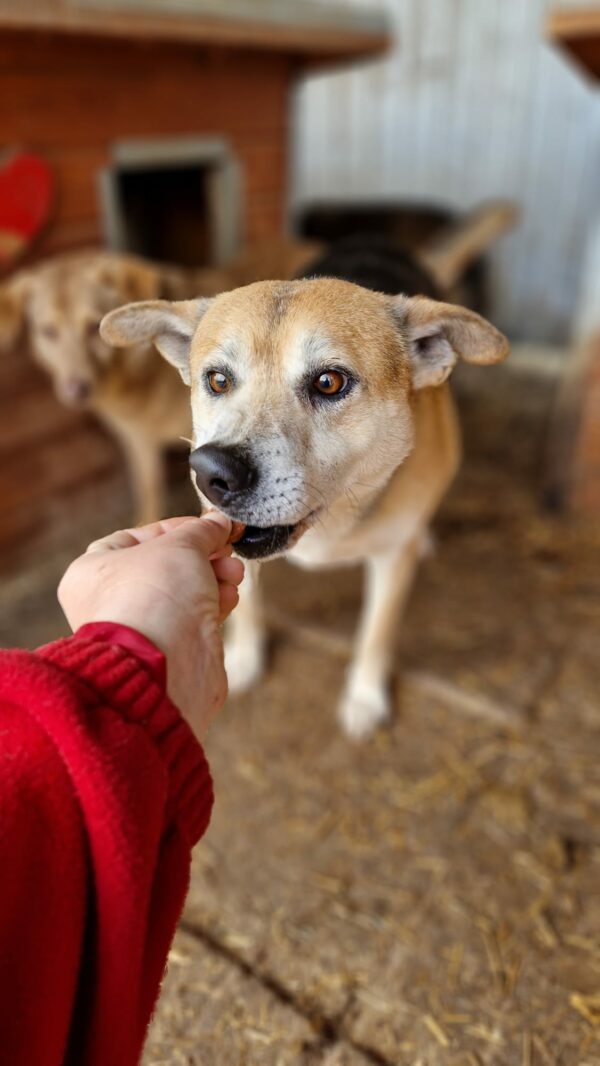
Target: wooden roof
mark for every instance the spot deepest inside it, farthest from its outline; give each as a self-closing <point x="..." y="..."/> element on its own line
<point x="577" y="29"/>
<point x="307" y="29"/>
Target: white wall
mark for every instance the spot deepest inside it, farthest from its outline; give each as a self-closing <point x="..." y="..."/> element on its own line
<point x="471" y="103"/>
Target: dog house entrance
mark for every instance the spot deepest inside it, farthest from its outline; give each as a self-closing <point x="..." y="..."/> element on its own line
<point x="173" y="201"/>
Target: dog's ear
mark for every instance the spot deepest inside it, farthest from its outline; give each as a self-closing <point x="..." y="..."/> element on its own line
<point x="438" y="334"/>
<point x="170" y="326"/>
<point x="14" y="295"/>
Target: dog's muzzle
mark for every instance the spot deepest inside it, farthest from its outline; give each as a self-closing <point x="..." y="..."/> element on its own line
<point x="224" y="476"/>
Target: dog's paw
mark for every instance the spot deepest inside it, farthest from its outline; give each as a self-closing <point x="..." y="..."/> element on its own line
<point x="244" y="665"/>
<point x="362" y="709"/>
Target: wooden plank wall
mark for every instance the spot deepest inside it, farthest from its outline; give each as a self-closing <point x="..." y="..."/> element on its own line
<point x="471" y="103"/>
<point x="69" y="98"/>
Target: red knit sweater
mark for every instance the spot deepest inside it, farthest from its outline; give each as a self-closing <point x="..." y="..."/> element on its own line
<point x="103" y="792"/>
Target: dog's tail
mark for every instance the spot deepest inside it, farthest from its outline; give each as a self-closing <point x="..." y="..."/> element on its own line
<point x="448" y="255"/>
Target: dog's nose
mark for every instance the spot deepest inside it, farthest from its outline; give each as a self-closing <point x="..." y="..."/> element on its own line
<point x="221" y="472"/>
<point x="75" y="390"/>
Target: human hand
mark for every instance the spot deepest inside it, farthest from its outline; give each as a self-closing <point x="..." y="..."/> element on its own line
<point x="174" y="582"/>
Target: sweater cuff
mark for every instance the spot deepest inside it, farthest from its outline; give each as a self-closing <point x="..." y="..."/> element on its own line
<point x="127" y="673"/>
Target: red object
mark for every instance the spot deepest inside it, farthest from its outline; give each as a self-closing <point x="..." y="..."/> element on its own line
<point x="26" y="193"/>
<point x="103" y="792"/>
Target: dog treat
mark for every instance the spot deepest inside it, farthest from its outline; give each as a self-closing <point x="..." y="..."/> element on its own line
<point x="237" y="532"/>
<point x="237" y="528"/>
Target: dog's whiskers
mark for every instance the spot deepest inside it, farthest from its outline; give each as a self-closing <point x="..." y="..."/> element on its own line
<point x="317" y="493"/>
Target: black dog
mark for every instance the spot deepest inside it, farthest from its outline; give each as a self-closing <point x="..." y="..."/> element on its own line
<point x="375" y="263"/>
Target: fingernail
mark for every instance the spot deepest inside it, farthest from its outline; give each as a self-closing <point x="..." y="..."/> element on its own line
<point x="218" y="518"/>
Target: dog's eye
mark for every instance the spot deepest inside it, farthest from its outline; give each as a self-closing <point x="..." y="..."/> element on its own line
<point x="330" y="383"/>
<point x="218" y="382"/>
<point x="50" y="332"/>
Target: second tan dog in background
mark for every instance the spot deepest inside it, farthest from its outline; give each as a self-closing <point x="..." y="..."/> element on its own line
<point x="59" y="304"/>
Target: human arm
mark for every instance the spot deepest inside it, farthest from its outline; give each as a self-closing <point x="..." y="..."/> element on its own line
<point x="103" y="792"/>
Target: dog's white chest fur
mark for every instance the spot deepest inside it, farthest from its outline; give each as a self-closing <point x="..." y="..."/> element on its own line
<point x="316" y="549"/>
<point x="319" y="548"/>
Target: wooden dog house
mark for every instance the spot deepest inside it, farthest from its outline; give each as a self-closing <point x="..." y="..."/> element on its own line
<point x="103" y="88"/>
<point x="166" y="124"/>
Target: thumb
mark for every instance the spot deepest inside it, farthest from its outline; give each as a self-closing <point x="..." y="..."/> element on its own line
<point x="207" y="535"/>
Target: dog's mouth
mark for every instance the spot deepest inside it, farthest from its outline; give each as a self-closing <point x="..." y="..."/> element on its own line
<point x="262" y="542"/>
<point x="259" y="542"/>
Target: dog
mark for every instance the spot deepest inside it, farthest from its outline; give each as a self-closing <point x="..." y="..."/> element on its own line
<point x="135" y="394"/>
<point x="322" y="420"/>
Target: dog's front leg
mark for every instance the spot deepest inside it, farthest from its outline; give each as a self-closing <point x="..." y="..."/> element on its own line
<point x="146" y="468"/>
<point x="147" y="471"/>
<point x="366" y="701"/>
<point x="246" y="636"/>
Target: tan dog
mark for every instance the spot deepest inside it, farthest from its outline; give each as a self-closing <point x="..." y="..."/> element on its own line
<point x="135" y="394"/>
<point x="321" y="420"/>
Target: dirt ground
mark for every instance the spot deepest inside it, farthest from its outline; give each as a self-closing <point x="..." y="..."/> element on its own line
<point x="430" y="896"/>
